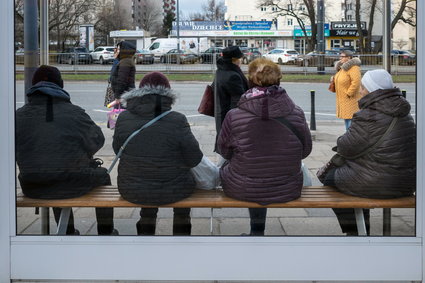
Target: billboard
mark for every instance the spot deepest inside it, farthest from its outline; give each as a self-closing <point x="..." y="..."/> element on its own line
<point x="87" y="36"/>
<point x="298" y="32"/>
<point x="225" y="25"/>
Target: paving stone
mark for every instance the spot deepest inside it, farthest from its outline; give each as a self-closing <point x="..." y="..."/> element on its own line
<point x="317" y="226"/>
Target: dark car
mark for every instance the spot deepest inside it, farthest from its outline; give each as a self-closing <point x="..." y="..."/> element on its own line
<point x="210" y="54"/>
<point x="403" y="57"/>
<point x="250" y="54"/>
<point x="174" y="56"/>
<point x="312" y="58"/>
<point x="75" y="55"/>
<point x="143" y="57"/>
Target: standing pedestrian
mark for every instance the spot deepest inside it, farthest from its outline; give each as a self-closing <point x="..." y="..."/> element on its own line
<point x="123" y="75"/>
<point x="229" y="83"/>
<point x="347" y="86"/>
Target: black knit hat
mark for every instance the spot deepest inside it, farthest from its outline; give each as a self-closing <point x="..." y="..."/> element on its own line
<point x="232" y="52"/>
<point x="47" y="74"/>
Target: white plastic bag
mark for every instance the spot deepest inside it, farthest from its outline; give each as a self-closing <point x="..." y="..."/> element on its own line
<point x="206" y="174"/>
<point x="306" y="175"/>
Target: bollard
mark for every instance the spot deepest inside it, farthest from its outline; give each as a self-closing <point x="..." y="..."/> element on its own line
<point x="313" y="111"/>
<point x="403" y="92"/>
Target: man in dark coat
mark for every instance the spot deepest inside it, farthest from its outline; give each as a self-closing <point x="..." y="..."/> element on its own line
<point x="229" y="84"/>
<point x="389" y="170"/>
<point x="55" y="144"/>
<point x="154" y="168"/>
<point x="123" y="75"/>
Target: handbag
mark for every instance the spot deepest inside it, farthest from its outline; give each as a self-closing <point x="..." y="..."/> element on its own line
<point x="206" y="106"/>
<point x="206" y="174"/>
<point x="133" y="135"/>
<point x="109" y="95"/>
<point x="332" y="85"/>
<point x="338" y="159"/>
<point x="113" y="116"/>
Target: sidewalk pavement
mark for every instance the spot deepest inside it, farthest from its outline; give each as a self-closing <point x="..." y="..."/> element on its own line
<point x="233" y="221"/>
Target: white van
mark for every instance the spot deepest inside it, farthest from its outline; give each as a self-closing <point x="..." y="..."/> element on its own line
<point x="161" y="46"/>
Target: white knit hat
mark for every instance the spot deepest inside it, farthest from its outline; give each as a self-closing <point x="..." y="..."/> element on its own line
<point x="377" y="79"/>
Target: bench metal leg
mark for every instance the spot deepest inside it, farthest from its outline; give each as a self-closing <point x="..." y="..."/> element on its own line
<point x="386" y="225"/>
<point x="45" y="220"/>
<point x="361" y="225"/>
<point x="63" y="221"/>
<point x="211" y="220"/>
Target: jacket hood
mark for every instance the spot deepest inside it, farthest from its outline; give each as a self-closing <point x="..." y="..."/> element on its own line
<point x="149" y="99"/>
<point x="347" y="65"/>
<point x="127" y="50"/>
<point x="267" y="102"/>
<point x="388" y="101"/>
<point x="49" y="89"/>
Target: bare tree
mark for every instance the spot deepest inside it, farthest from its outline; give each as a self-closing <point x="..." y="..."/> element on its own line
<point x="365" y="41"/>
<point x="303" y="11"/>
<point x="211" y="11"/>
<point x="109" y="17"/>
<point x="151" y="17"/>
<point x="65" y="16"/>
<point x="406" y="13"/>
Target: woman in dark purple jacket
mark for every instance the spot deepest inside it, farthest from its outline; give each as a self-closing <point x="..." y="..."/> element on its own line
<point x="264" y="151"/>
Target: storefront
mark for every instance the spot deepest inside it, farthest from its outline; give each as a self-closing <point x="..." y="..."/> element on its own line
<point x="344" y="35"/>
<point x="261" y="34"/>
<point x="300" y="43"/>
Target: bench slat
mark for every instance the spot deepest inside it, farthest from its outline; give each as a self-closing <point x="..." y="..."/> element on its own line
<point x="311" y="197"/>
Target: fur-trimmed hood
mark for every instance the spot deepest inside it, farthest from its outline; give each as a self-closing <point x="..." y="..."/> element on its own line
<point x="347" y="65"/>
<point x="149" y="99"/>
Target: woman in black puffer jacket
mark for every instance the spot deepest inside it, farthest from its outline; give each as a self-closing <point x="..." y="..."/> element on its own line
<point x="123" y="75"/>
<point x="155" y="166"/>
<point x="389" y="170"/>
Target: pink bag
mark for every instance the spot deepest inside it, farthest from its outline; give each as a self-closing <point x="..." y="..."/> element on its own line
<point x="113" y="116"/>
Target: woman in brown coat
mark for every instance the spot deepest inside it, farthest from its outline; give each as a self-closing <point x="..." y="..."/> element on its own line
<point x="347" y="86"/>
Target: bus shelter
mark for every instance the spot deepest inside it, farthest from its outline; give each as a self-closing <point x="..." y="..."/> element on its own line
<point x="197" y="258"/>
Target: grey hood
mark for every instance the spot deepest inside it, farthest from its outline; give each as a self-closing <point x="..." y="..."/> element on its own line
<point x="149" y="99"/>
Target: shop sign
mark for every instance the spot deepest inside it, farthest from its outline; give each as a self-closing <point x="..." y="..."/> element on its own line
<point x="201" y="26"/>
<point x="340" y="32"/>
<point x="230" y="33"/>
<point x="346" y="25"/>
<point x="298" y="32"/>
<point x="126" y="33"/>
<point x="261" y="33"/>
<point x="250" y="25"/>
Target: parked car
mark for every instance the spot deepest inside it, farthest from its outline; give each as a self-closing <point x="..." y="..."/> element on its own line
<point x="404" y="57"/>
<point x="103" y="54"/>
<point x="174" y="55"/>
<point x="312" y="58"/>
<point x="75" y="54"/>
<point x="282" y="56"/>
<point x="250" y="54"/>
<point x="143" y="57"/>
<point x="208" y="55"/>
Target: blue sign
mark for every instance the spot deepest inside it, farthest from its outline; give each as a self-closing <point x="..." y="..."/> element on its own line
<point x="250" y="25"/>
<point x="298" y="32"/>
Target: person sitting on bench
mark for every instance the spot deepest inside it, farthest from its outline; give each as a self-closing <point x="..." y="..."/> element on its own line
<point x="55" y="144"/>
<point x="264" y="140"/>
<point x="386" y="168"/>
<point x="155" y="165"/>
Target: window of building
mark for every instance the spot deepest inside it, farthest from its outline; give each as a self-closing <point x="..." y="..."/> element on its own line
<point x="263" y="8"/>
<point x="290" y="7"/>
<point x="349" y="17"/>
<point x="290" y="22"/>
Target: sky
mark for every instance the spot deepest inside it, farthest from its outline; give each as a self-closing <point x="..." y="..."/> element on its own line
<point x="190" y="6"/>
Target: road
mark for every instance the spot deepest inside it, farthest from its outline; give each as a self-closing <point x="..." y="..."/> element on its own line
<point x="90" y="95"/>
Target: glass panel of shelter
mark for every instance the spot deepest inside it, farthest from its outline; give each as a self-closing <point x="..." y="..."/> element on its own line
<point x="220" y="221"/>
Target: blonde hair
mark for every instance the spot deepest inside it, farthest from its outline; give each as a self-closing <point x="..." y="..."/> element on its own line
<point x="263" y="72"/>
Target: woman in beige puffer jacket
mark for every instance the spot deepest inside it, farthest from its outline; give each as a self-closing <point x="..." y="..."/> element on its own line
<point x="347" y="86"/>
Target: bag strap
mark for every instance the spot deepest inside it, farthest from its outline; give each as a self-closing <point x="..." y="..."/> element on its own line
<point x="378" y="143"/>
<point x="133" y="135"/>
<point x="289" y="125"/>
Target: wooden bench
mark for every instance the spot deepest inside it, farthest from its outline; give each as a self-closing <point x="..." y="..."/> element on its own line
<point x="311" y="197"/>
